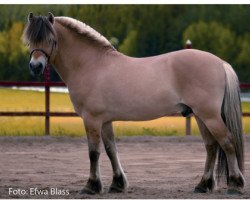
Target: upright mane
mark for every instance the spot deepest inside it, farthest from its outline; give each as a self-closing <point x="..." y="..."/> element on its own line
<point x="84" y="30"/>
<point x="39" y="30"/>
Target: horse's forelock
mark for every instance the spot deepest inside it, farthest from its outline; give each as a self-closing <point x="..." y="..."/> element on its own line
<point x="38" y="30"/>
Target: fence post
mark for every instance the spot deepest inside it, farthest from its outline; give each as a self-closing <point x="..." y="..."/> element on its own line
<point x="188" y="118"/>
<point x="47" y="99"/>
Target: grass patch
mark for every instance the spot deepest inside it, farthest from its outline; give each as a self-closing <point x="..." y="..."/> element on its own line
<point x="21" y="126"/>
<point x="17" y="100"/>
<point x="166" y="126"/>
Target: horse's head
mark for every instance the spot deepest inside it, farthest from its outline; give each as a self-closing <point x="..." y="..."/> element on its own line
<point x="40" y="36"/>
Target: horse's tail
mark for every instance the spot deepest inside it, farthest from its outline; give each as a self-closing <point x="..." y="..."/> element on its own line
<point x="231" y="114"/>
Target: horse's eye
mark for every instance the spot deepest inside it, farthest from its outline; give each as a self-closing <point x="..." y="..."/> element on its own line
<point x="50" y="41"/>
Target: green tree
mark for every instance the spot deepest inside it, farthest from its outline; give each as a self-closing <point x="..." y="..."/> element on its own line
<point x="243" y="58"/>
<point x="109" y="20"/>
<point x="129" y="46"/>
<point x="213" y="37"/>
<point x="13" y="54"/>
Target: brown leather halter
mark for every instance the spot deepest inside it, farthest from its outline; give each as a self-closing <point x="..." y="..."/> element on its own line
<point x="44" y="52"/>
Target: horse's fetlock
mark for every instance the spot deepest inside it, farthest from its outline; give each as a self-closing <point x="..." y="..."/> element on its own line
<point x="205" y="185"/>
<point x="236" y="181"/>
<point x="119" y="183"/>
<point x="210" y="184"/>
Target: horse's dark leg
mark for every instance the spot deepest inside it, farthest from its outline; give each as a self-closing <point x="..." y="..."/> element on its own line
<point x="119" y="183"/>
<point x="224" y="138"/>
<point x="93" y="131"/>
<point x="207" y="182"/>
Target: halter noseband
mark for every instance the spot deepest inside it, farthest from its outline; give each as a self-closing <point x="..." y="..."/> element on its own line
<point x="44" y="52"/>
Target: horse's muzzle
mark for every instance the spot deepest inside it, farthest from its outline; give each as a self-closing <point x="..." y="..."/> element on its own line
<point x="36" y="69"/>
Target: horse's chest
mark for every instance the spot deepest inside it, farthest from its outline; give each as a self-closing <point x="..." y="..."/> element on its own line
<point x="86" y="103"/>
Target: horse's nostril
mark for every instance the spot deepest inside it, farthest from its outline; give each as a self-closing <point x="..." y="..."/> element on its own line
<point x="31" y="66"/>
<point x="40" y="66"/>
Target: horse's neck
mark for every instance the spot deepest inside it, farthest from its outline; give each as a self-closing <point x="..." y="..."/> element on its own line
<point x="74" y="54"/>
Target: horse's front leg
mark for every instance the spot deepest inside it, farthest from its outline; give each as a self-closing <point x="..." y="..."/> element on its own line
<point x="93" y="130"/>
<point x="119" y="183"/>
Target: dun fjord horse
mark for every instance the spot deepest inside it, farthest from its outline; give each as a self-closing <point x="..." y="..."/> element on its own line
<point x="105" y="85"/>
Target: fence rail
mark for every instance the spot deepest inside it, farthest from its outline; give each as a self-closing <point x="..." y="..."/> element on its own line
<point x="47" y="113"/>
<point x="38" y="114"/>
<point x="31" y="84"/>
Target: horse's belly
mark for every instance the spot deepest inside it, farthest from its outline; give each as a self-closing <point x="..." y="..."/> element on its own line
<point x="146" y="109"/>
<point x="141" y="116"/>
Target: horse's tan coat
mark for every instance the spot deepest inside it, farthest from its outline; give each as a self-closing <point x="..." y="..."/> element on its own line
<point x="105" y="86"/>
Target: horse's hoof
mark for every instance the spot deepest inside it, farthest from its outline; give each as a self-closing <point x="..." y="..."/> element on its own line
<point x="234" y="191"/>
<point x="235" y="185"/>
<point x="199" y="189"/>
<point x="119" y="184"/>
<point x="87" y="191"/>
<point x="92" y="187"/>
<point x="115" y="190"/>
<point x="205" y="185"/>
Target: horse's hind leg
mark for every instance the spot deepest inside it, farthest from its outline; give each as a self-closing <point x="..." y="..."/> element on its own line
<point x="224" y="138"/>
<point x="207" y="182"/>
<point x="119" y="183"/>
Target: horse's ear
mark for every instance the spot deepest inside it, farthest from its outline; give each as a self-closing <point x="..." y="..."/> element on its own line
<point x="51" y="17"/>
<point x="30" y="17"/>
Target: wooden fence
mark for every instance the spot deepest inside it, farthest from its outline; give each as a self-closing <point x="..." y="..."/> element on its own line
<point x="47" y="113"/>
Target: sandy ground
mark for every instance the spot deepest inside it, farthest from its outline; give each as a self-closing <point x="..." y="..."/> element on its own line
<point x="156" y="167"/>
